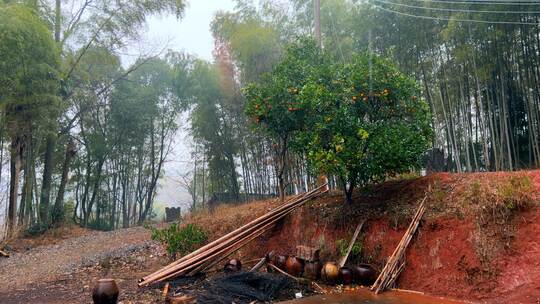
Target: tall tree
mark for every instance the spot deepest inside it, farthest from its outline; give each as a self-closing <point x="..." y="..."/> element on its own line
<point x="29" y="85"/>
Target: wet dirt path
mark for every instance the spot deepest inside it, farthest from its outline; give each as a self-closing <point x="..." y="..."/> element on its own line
<point x="364" y="296"/>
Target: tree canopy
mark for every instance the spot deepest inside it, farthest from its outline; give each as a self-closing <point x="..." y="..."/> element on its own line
<point x="360" y="120"/>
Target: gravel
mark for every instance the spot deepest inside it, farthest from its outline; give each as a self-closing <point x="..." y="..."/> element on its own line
<point x="48" y="263"/>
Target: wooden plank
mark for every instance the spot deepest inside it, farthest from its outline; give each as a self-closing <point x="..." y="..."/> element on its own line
<point x="351" y="244"/>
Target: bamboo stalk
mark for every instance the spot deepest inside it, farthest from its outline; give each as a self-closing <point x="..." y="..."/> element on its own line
<point x="289" y="202"/>
<point x="215" y="251"/>
<point x="284" y="273"/>
<point x="232" y="247"/>
<point x="231" y="237"/>
<point x="393" y="261"/>
<point x="213" y="243"/>
<point x="391" y="258"/>
<point x="165" y="291"/>
<point x="228" y="241"/>
<point x="392" y="269"/>
<point x="261" y="262"/>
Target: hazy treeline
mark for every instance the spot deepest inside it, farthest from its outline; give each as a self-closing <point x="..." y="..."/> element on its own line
<point x="479" y="73"/>
<point x="82" y="126"/>
<point x="74" y="120"/>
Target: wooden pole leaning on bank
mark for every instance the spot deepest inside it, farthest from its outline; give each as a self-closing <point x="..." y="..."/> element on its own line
<point x="210" y="254"/>
<point x="351" y="244"/>
<point x="395" y="264"/>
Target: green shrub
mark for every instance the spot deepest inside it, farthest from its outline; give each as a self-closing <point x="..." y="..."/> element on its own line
<point x="100" y="224"/>
<point x="356" y="251"/>
<point x="36" y="229"/>
<point x="178" y="239"/>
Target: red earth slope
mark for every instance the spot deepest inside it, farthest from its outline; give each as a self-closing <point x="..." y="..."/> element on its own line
<point x="478" y="241"/>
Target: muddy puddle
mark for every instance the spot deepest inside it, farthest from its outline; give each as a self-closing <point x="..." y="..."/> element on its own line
<point x="364" y="296"/>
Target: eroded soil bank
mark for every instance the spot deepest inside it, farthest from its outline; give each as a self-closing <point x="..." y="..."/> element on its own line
<point x="479" y="240"/>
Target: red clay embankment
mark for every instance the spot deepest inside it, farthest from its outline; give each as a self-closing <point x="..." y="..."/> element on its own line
<point x="479" y="239"/>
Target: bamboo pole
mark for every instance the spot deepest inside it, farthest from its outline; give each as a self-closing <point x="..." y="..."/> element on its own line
<point x="208" y="246"/>
<point x="284" y="273"/>
<point x="213" y="243"/>
<point x="231" y="234"/>
<point x="262" y="261"/>
<point x="351" y="244"/>
<point x="217" y="252"/>
<point x="398" y="256"/>
<point x="200" y="263"/>
<point x="226" y="253"/>
<point x="393" y="268"/>
<point x="402" y="241"/>
<point x="228" y="241"/>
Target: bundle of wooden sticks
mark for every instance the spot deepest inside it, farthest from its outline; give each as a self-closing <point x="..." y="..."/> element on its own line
<point x="395" y="264"/>
<point x="216" y="251"/>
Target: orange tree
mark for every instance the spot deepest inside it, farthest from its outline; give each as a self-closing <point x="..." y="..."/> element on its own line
<point x="275" y="105"/>
<point x="365" y="124"/>
<point x="359" y="121"/>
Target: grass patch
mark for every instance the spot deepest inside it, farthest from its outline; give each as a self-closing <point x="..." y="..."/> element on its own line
<point x="494" y="205"/>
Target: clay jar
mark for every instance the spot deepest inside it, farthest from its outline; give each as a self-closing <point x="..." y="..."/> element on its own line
<point x="105" y="292"/>
<point x="294" y="266"/>
<point x="312" y="270"/>
<point x="278" y="261"/>
<point x="364" y="274"/>
<point x="330" y="273"/>
<point x="233" y="265"/>
<point x="345" y="276"/>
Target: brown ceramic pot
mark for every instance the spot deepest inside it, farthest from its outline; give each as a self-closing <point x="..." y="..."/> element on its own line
<point x="233" y="265"/>
<point x="312" y="270"/>
<point x="294" y="266"/>
<point x="330" y="273"/>
<point x="364" y="274"/>
<point x="345" y="276"/>
<point x="105" y="292"/>
<point x="279" y="261"/>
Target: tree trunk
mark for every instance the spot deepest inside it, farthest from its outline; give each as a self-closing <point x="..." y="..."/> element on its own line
<point x="47" y="179"/>
<point x="70" y="153"/>
<point x="15" y="164"/>
<point x="281" y="169"/>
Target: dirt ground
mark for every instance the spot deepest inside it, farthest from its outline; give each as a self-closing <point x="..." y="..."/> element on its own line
<point x="65" y="271"/>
